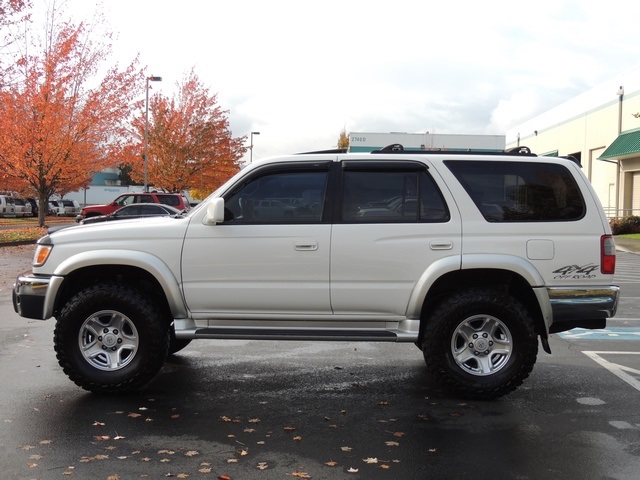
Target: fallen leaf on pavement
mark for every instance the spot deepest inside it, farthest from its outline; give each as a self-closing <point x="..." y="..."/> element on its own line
<point x="300" y="475"/>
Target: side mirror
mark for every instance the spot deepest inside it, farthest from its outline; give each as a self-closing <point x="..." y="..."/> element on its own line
<point x="215" y="211"/>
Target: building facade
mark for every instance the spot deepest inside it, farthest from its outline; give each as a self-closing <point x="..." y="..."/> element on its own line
<point x="601" y="129"/>
<point x="368" y="141"/>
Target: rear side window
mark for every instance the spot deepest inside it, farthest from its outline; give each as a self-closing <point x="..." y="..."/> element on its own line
<point x="172" y="200"/>
<point x="520" y="191"/>
<point x="391" y="197"/>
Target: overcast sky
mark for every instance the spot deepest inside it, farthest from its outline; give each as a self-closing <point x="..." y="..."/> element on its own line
<point x="300" y="71"/>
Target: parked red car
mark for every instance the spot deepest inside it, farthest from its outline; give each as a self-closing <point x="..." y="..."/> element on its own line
<point x="172" y="199"/>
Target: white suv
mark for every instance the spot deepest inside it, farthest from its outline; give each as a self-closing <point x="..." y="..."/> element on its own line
<point x="473" y="257"/>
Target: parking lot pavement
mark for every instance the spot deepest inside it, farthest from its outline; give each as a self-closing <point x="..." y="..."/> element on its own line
<point x="13" y="261"/>
<point x="253" y="410"/>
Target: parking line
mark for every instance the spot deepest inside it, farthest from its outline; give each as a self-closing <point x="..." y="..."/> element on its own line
<point x="612" y="333"/>
<point x="619" y="371"/>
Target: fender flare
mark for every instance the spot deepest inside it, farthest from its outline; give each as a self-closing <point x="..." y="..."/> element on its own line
<point x="446" y="265"/>
<point x="145" y="261"/>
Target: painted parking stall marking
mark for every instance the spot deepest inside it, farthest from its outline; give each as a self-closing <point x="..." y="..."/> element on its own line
<point x="621" y="371"/>
<point x="613" y="333"/>
<point x="627" y="268"/>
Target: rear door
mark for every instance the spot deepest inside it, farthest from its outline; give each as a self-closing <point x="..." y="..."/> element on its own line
<point x="393" y="221"/>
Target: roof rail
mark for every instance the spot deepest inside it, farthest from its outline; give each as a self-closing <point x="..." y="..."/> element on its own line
<point x="398" y="148"/>
<point x="332" y="150"/>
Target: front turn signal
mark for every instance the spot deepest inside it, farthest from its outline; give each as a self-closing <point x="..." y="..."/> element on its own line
<point x="41" y="255"/>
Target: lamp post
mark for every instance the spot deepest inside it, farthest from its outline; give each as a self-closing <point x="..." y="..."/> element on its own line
<point x="251" y="146"/>
<point x="146" y="131"/>
<point x="620" y="100"/>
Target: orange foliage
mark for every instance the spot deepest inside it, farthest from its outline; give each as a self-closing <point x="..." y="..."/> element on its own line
<point x="190" y="144"/>
<point x="55" y="131"/>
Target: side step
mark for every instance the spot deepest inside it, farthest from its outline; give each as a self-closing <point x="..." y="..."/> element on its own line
<point x="293" y="334"/>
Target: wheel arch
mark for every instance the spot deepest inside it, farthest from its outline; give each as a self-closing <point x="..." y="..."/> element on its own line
<point x="506" y="280"/>
<point x="142" y="270"/>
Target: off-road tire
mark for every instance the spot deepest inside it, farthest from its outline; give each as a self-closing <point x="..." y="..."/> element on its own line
<point x="503" y="317"/>
<point x="147" y="332"/>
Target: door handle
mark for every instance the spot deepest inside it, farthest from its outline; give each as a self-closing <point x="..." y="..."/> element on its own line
<point x="441" y="245"/>
<point x="306" y="246"/>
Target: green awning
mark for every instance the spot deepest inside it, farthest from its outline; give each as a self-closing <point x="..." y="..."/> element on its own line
<point x="627" y="143"/>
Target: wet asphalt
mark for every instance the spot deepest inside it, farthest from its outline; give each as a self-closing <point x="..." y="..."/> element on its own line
<point x="321" y="410"/>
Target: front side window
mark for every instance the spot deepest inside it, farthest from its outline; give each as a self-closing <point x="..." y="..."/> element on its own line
<point x="278" y="197"/>
<point x="391" y="197"/>
<point x="520" y="191"/>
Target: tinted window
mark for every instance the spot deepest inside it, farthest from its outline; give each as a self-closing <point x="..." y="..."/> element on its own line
<point x="520" y="191"/>
<point x="151" y="210"/>
<point x="278" y="197"/>
<point x="128" y="211"/>
<point x="387" y="196"/>
<point x="172" y="200"/>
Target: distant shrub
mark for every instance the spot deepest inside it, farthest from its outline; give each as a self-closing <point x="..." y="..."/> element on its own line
<point x="621" y="226"/>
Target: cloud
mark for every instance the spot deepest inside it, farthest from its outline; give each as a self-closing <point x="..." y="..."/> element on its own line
<point x="299" y="73"/>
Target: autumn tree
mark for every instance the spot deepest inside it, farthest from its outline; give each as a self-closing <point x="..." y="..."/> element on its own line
<point x="57" y="131"/>
<point x="190" y="143"/>
<point x="343" y="139"/>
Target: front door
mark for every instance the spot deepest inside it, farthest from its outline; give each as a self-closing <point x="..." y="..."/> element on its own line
<point x="271" y="254"/>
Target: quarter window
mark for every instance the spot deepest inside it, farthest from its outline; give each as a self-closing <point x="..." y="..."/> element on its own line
<point x="520" y="191"/>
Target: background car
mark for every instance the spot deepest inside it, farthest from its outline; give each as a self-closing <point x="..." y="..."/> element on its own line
<point x="68" y="208"/>
<point x="7" y="206"/>
<point x="135" y="210"/>
<point x="22" y="207"/>
<point x="173" y="199"/>
<point x="53" y="208"/>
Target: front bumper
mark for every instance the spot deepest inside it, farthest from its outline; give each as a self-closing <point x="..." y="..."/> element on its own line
<point x="32" y="295"/>
<point x="582" y="307"/>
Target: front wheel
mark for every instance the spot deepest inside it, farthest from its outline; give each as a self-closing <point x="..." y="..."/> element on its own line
<point x="110" y="338"/>
<point x="480" y="343"/>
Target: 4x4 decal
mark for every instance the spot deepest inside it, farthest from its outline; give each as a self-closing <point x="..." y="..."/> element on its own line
<point x="576" y="271"/>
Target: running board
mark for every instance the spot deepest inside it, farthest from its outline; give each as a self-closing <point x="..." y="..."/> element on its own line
<point x="291" y="334"/>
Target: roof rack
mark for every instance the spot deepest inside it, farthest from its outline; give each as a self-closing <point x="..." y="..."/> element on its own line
<point x="398" y="148"/>
<point x="332" y="150"/>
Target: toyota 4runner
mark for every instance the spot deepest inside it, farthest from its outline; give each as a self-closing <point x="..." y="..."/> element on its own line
<point x="470" y="256"/>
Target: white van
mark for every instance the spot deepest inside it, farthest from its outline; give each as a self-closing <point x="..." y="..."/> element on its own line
<point x="7" y="206"/>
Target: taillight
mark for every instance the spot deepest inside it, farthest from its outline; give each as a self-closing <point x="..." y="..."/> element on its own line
<point x="607" y="255"/>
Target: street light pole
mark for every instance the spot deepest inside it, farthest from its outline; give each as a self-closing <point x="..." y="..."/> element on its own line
<point x="146" y="132"/>
<point x="618" y="169"/>
<point x="251" y="146"/>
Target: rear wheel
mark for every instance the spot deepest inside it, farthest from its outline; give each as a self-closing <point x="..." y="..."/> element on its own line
<point x="110" y="338"/>
<point x="480" y="343"/>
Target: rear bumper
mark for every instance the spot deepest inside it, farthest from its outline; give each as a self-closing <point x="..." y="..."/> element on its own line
<point x="582" y="307"/>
